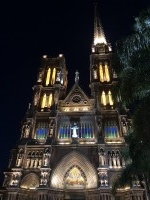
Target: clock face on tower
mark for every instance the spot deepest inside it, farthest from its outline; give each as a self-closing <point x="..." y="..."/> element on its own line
<point x="76" y="99"/>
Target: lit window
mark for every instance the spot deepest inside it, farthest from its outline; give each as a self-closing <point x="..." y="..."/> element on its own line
<point x="101" y="74"/>
<point x="50" y="100"/>
<point x="48" y="76"/>
<point x="107" y="76"/>
<point x="110" y="101"/>
<point x="42" y="130"/>
<point x="43" y="105"/>
<point x="53" y="76"/>
<point x="103" y="98"/>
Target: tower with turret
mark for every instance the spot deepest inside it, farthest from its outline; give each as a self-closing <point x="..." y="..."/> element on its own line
<point x="70" y="143"/>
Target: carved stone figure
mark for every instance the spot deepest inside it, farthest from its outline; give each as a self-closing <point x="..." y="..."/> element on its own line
<point x="102" y="160"/>
<point x="46" y="159"/>
<point x="58" y="76"/>
<point x="36" y="98"/>
<point x="28" y="162"/>
<point x="95" y="74"/>
<point x="39" y="77"/>
<point x="26" y="131"/>
<point x="74" y="128"/>
<point x="76" y="76"/>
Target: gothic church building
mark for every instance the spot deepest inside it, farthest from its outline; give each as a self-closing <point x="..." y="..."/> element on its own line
<point x="70" y="145"/>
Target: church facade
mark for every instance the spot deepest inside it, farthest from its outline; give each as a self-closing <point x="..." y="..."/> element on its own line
<point x="70" y="145"/>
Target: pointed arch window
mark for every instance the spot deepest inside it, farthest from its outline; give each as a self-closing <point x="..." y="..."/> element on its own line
<point x="47" y="100"/>
<point x="48" y="77"/>
<point x="101" y="73"/>
<point x="50" y="100"/>
<point x="103" y="98"/>
<point x="107" y="75"/>
<point x="79" y="130"/>
<point x="106" y="98"/>
<point x="111" y="129"/>
<point x="43" y="105"/>
<point x="110" y="101"/>
<point x="104" y="73"/>
<point x="42" y="130"/>
<point x="53" y="76"/>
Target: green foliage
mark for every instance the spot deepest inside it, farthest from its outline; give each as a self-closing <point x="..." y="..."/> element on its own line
<point x="133" y="54"/>
<point x="133" y="66"/>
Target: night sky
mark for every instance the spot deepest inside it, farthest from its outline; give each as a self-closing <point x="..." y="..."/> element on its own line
<point x="30" y="30"/>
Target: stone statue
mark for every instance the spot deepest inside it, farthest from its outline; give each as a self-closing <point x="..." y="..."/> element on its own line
<point x="95" y="74"/>
<point x="74" y="128"/>
<point x="76" y="77"/>
<point x="35" y="163"/>
<point x="36" y="97"/>
<point x="26" y="131"/>
<point x="117" y="160"/>
<point x="102" y="160"/>
<point x="19" y="161"/>
<point x="39" y="77"/>
<point x="28" y="162"/>
<point x="58" y="76"/>
<point x="46" y="159"/>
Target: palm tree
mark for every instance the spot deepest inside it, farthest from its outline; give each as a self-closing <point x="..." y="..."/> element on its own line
<point x="134" y="86"/>
<point x="133" y="53"/>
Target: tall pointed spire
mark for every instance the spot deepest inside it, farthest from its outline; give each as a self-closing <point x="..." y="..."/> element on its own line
<point x="99" y="36"/>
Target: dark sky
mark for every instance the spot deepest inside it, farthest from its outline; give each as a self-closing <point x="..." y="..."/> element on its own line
<point x="29" y="30"/>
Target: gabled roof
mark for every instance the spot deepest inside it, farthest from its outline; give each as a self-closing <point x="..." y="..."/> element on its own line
<point x="76" y="101"/>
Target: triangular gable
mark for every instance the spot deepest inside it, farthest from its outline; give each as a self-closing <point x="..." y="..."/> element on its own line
<point x="76" y="100"/>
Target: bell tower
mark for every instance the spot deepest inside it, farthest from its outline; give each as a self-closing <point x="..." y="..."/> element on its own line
<point x="101" y="71"/>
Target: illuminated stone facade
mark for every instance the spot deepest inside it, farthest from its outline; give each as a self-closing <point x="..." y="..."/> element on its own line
<point x="70" y="145"/>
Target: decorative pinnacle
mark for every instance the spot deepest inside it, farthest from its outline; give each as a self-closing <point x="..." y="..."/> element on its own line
<point x="99" y="36"/>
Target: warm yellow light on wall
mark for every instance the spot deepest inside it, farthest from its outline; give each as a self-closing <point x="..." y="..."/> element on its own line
<point x="48" y="76"/>
<point x="103" y="98"/>
<point x="110" y="98"/>
<point x="107" y="73"/>
<point x="43" y="105"/>
<point x="53" y="76"/>
<point x="50" y="101"/>
<point x="101" y="74"/>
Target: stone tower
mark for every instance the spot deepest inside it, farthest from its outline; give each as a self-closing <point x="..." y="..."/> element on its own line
<point x="70" y="144"/>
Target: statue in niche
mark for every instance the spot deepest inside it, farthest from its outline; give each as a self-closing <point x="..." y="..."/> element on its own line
<point x="28" y="162"/>
<point x="36" y="98"/>
<point x="117" y="159"/>
<point x="46" y="159"/>
<point x="27" y="131"/>
<point x="40" y="163"/>
<point x="75" y="128"/>
<point x="124" y="128"/>
<point x="114" y="159"/>
<point x="36" y="163"/>
<point x="39" y="77"/>
<point x="58" y="76"/>
<point x="19" y="161"/>
<point x="32" y="163"/>
<point x="102" y="160"/>
<point x="95" y="74"/>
